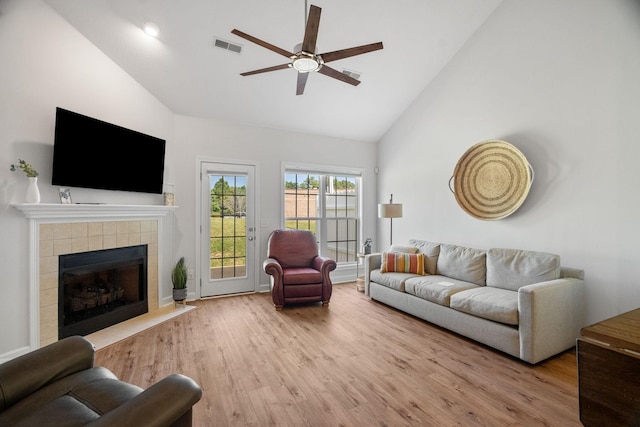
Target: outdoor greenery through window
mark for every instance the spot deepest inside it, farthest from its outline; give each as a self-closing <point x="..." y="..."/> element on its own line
<point x="328" y="206"/>
<point x="228" y="232"/>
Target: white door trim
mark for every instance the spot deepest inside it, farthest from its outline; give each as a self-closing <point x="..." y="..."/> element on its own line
<point x="198" y="216"/>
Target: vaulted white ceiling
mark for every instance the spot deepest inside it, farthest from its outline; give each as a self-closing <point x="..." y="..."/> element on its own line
<point x="187" y="73"/>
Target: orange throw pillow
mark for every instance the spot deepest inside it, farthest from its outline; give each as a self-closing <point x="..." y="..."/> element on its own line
<point x="402" y="263"/>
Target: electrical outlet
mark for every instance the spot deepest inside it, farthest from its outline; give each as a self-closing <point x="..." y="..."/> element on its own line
<point x="190" y="274"/>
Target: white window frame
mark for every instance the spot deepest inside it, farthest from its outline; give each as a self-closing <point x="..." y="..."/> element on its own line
<point x="325" y="171"/>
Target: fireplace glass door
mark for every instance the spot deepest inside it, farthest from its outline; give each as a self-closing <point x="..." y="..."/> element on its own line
<point x="98" y="289"/>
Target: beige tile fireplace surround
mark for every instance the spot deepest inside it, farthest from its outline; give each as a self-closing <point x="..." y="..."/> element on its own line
<point x="57" y="229"/>
<point x="69" y="238"/>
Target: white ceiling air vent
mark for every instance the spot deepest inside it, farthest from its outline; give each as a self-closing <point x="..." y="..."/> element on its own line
<point x="223" y="44"/>
<point x="354" y="74"/>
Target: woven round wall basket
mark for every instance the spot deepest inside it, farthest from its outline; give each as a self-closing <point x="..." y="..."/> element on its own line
<point x="491" y="180"/>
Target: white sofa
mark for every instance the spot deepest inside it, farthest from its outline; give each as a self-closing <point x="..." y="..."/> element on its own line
<point x="520" y="302"/>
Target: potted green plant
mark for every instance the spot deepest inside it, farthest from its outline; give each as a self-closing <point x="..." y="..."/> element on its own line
<point x="179" y="277"/>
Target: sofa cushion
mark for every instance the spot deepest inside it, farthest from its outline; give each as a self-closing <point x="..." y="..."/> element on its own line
<point x="437" y="289"/>
<point x="64" y="411"/>
<point x="402" y="263"/>
<point x="403" y="249"/>
<point x="499" y="305"/>
<point x="41" y="404"/>
<point x="430" y="250"/>
<point x="391" y="280"/>
<point x="106" y="394"/>
<point x="459" y="262"/>
<point x="512" y="269"/>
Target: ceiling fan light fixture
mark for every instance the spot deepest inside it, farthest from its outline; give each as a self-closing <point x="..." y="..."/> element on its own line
<point x="306" y="63"/>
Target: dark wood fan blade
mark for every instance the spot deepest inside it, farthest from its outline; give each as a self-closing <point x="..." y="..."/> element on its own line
<point x="346" y="53"/>
<point x="265" y="70"/>
<point x="311" y="32"/>
<point x="302" y="82"/>
<point x="328" y="71"/>
<point x="262" y="43"/>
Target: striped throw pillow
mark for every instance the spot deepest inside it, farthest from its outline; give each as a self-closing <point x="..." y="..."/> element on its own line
<point x="402" y="263"/>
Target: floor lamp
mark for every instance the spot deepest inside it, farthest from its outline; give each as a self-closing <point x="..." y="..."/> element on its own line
<point x="390" y="210"/>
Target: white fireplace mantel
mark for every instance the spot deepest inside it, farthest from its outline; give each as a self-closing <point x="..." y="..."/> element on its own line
<point x="70" y="212"/>
<point x="44" y="213"/>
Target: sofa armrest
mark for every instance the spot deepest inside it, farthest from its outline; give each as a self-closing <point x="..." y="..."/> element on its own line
<point x="576" y="273"/>
<point x="25" y="374"/>
<point x="371" y="262"/>
<point x="551" y="314"/>
<point x="162" y="404"/>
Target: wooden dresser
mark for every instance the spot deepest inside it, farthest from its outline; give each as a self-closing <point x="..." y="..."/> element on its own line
<point x="609" y="371"/>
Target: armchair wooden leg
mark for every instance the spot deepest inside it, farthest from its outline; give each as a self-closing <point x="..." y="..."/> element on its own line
<point x="325" y="303"/>
<point x="278" y="307"/>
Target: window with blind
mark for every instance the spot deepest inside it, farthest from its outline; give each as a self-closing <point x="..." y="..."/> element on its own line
<point x="328" y="205"/>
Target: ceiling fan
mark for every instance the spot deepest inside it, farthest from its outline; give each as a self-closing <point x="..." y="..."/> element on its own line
<point x="305" y="60"/>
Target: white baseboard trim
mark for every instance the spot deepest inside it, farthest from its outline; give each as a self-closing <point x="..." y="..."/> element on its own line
<point x="5" y="357"/>
<point x="344" y="274"/>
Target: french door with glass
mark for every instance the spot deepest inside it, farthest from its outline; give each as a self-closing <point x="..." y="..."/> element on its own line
<point x="227" y="229"/>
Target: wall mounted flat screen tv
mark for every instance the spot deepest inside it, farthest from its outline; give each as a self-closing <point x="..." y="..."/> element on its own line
<point x="91" y="153"/>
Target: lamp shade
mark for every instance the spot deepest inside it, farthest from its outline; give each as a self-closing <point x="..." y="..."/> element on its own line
<point x="390" y="210"/>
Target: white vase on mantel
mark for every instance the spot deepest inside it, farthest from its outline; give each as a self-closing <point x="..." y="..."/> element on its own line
<point x="33" y="192"/>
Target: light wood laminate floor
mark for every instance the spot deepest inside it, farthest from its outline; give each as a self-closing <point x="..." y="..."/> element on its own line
<point x="354" y="363"/>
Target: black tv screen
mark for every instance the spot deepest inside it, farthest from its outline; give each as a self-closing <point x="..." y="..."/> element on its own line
<point x="90" y="153"/>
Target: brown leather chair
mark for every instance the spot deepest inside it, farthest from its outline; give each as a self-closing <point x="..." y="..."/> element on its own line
<point x="58" y="385"/>
<point x="298" y="274"/>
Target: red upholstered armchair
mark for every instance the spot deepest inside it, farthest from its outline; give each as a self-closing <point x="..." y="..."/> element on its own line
<point x="298" y="274"/>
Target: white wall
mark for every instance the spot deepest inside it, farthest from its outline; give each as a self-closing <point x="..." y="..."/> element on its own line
<point x="46" y="63"/>
<point x="214" y="139"/>
<point x="558" y="79"/>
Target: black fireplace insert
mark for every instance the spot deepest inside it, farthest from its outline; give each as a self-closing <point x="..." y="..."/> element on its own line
<point x="101" y="288"/>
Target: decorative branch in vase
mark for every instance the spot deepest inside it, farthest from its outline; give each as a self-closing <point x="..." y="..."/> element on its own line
<point x="25" y="167"/>
<point x="33" y="192"/>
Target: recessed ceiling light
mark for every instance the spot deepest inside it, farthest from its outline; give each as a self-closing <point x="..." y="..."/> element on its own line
<point x="151" y="29"/>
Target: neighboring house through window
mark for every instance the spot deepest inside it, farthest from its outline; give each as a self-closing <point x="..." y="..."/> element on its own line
<point x="327" y="203"/>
